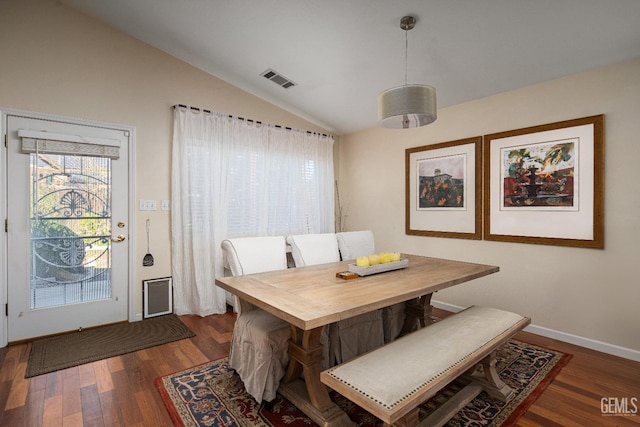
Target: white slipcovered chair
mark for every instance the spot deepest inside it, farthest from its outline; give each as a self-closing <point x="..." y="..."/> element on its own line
<point x="347" y="338"/>
<point x="260" y="341"/>
<point x="312" y="249"/>
<point x="353" y="244"/>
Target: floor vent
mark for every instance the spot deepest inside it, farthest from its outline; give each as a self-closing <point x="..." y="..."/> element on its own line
<point x="278" y="78"/>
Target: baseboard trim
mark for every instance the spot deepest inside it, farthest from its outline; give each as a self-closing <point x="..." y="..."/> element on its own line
<point x="603" y="347"/>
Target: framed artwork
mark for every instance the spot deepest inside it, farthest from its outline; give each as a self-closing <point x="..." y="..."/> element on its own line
<point x="443" y="189"/>
<point x="544" y="184"/>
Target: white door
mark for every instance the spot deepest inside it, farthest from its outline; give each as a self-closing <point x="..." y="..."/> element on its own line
<point x="67" y="212"/>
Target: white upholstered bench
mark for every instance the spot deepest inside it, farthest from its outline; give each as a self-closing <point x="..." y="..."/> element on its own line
<point x="392" y="381"/>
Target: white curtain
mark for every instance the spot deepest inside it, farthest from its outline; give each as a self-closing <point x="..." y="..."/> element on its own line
<point x="234" y="178"/>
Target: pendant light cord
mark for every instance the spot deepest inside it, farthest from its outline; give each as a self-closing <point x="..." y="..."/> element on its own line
<point x="406" y="49"/>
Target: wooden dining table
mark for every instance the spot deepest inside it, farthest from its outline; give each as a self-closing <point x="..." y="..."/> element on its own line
<point x="311" y="297"/>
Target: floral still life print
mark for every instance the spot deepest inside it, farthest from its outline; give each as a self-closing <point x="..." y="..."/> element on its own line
<point x="441" y="182"/>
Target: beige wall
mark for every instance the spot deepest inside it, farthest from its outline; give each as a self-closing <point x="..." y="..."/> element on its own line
<point x="586" y="292"/>
<point x="57" y="61"/>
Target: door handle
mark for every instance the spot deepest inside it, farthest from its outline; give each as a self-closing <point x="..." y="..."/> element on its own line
<point x="120" y="238"/>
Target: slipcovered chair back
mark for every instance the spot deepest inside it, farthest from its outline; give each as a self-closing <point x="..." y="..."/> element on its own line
<point x="311" y="249"/>
<point x="248" y="255"/>
<point x="353" y="244"/>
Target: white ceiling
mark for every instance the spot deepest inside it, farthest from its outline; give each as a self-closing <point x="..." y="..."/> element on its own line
<point x="342" y="53"/>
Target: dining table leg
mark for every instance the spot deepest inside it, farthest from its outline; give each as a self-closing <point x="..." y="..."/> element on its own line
<point x="309" y="394"/>
<point x="418" y="312"/>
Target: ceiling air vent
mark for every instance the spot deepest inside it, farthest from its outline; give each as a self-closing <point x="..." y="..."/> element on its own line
<point x="278" y="78"/>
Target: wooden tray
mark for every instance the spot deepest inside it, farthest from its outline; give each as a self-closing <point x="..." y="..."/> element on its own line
<point x="378" y="268"/>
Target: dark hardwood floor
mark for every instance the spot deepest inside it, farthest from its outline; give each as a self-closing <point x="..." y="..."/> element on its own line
<point x="120" y="391"/>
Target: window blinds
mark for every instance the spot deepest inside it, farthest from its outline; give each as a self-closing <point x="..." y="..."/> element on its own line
<point x="53" y="143"/>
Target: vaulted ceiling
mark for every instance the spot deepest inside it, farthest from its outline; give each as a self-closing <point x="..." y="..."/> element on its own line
<point x="341" y="53"/>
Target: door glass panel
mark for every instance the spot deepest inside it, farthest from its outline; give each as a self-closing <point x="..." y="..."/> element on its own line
<point x="70" y="213"/>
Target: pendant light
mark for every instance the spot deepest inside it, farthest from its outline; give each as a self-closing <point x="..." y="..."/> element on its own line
<point x="407" y="106"/>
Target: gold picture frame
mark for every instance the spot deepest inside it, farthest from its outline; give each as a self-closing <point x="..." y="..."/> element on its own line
<point x="544" y="184"/>
<point x="443" y="189"/>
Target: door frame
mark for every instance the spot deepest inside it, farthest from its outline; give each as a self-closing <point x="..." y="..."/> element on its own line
<point x="4" y="112"/>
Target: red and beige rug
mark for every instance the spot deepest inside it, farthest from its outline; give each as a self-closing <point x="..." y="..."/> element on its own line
<point x="213" y="395"/>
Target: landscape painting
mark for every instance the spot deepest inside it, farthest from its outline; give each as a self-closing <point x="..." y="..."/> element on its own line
<point x="540" y="175"/>
<point x="544" y="184"/>
<point x="441" y="182"/>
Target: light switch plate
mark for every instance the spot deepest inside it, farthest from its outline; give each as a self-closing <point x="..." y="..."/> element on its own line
<point x="147" y="205"/>
<point x="166" y="205"/>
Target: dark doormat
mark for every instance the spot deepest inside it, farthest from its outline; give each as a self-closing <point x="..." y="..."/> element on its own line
<point x="76" y="348"/>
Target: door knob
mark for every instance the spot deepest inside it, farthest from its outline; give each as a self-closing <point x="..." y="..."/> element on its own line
<point x="120" y="238"/>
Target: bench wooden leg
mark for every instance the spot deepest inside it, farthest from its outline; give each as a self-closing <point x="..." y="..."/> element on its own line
<point x="409" y="420"/>
<point x="447" y="410"/>
<point x="481" y="377"/>
<point x="418" y="313"/>
<point x="490" y="380"/>
<point x="310" y="396"/>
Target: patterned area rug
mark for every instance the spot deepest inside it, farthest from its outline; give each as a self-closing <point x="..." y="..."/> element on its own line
<point x="213" y="395"/>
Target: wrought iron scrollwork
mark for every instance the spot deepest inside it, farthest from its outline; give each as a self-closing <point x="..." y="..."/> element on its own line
<point x="74" y="204"/>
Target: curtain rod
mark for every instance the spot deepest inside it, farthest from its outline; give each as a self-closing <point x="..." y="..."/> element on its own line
<point x="246" y="120"/>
